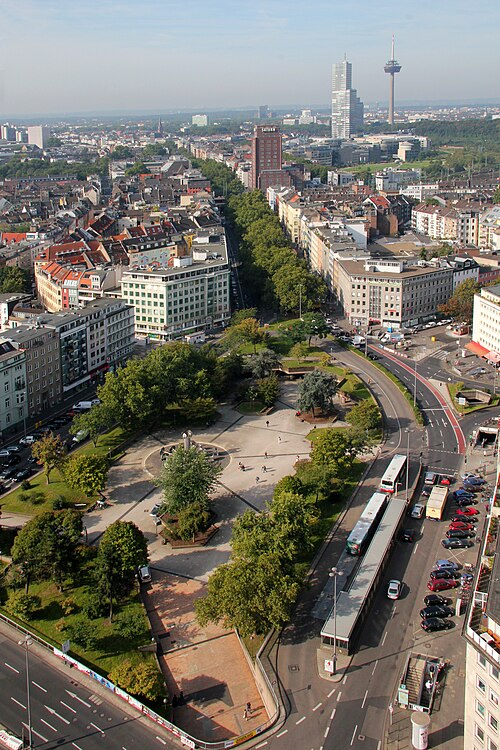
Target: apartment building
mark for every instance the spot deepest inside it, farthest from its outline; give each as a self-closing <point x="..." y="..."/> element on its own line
<point x="191" y="293"/>
<point x="390" y="292"/>
<point x="486" y="320"/>
<point x="482" y="636"/>
<point x="489" y="229"/>
<point x="43" y="365"/>
<point x="13" y="401"/>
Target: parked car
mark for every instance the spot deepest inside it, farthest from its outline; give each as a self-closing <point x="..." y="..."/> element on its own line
<point x="8" y="473"/>
<point x="408" y="535"/>
<point x="13" y="448"/>
<point x="447" y="565"/>
<point x="467" y="512"/>
<point x="472" y="479"/>
<point x="430" y="477"/>
<point x="460" y="534"/>
<point x="144" y="574"/>
<point x="461" y="526"/>
<point x="154" y="510"/>
<point x="4" y="454"/>
<point x="436" y="610"/>
<point x="463" y="502"/>
<point x="470" y="474"/>
<point x="373" y="357"/>
<point x="24" y="474"/>
<point x="394" y="589"/>
<point x="432" y="600"/>
<point x="444" y="480"/>
<point x="435" y="623"/>
<point x="451" y="575"/>
<point x="28" y="439"/>
<point x="418" y="510"/>
<point x="457" y="543"/>
<point x="11" y="460"/>
<point x="475" y="488"/>
<point x="461" y="517"/>
<point x="441" y="584"/>
<point x="459" y="494"/>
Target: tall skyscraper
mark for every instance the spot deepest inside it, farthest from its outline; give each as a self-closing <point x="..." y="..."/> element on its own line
<point x="347" y="107"/>
<point x="38" y="135"/>
<point x="392" y="67"/>
<point x="266" y="158"/>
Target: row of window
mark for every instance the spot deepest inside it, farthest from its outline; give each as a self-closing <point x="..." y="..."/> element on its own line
<point x="480" y="735"/>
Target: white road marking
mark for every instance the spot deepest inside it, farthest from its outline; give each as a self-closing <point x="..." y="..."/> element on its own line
<point x="338" y="696"/>
<point x="44" y="739"/>
<point x="379" y="746"/>
<point x="77" y="697"/>
<point x="415" y="548"/>
<point x="282" y="733"/>
<point x="300" y="720"/>
<point x="317" y="706"/>
<point x="38" y="686"/>
<point x="68" y="707"/>
<point x="354" y="733"/>
<point x="374" y="667"/>
<point x="364" y="699"/>
<point x="77" y="746"/>
<point x="326" y="732"/>
<point x="383" y="639"/>
<point x="51" y="711"/>
<point x="160" y="739"/>
<point x="344" y="680"/>
<point x="102" y="731"/>
<point x="18" y="702"/>
<point x="13" y="668"/>
<point x="262" y="744"/>
<point x="49" y="725"/>
<point x="331" y="692"/>
<point x="333" y="714"/>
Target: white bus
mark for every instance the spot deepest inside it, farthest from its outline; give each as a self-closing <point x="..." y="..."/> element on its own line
<point x="393" y="474"/>
<point x="367" y="524"/>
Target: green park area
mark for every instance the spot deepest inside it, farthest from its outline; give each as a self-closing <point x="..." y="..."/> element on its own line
<point x="455" y="388"/>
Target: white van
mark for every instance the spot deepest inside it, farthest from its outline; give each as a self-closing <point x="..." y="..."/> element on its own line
<point x="144" y="574"/>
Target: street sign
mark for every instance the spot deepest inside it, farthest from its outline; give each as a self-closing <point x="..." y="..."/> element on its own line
<point x="329" y="665"/>
<point x="65" y="647"/>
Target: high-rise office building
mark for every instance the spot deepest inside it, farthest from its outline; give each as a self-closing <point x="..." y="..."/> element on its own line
<point x="266" y="159"/>
<point x="38" y="135"/>
<point x="347" y="108"/>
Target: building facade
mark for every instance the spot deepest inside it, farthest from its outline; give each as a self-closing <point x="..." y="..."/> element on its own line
<point x="347" y="107"/>
<point x="13" y="401"/>
<point x="266" y="159"/>
<point x="486" y="319"/>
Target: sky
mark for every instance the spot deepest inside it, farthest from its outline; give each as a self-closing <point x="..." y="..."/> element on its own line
<point x="63" y="56"/>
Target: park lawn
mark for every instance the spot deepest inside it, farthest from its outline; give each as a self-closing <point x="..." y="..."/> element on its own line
<point x="13" y="503"/>
<point x="376" y="166"/>
<point x="250" y="407"/>
<point x="111" y="647"/>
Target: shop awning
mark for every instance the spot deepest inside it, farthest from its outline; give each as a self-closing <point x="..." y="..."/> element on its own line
<point x="476" y="348"/>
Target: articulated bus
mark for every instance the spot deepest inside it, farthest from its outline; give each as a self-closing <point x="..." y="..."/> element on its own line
<point x="393" y="474"/>
<point x="367" y="525"/>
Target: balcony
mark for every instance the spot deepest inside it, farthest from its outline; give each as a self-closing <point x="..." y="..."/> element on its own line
<point x="19" y="385"/>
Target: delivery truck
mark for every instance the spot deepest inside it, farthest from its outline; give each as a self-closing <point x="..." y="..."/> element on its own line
<point x="436" y="503"/>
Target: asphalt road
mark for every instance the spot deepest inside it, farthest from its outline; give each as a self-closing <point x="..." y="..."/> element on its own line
<point x="64" y="713"/>
<point x="353" y="712"/>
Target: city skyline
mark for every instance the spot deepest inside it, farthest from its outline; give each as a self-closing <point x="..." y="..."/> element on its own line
<point x="117" y="55"/>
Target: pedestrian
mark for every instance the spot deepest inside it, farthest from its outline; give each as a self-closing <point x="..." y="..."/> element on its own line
<point x="257" y="479"/>
<point x="174" y="700"/>
<point x="245" y="714"/>
<point x="181" y="698"/>
<point x="265" y="454"/>
<point x="279" y="438"/>
<point x="267" y="423"/>
<point x="249" y="708"/>
<point x="298" y="457"/>
<point x="263" y="469"/>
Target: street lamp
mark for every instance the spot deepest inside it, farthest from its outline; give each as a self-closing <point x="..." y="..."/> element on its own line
<point x="27" y="643"/>
<point x="407" y="463"/>
<point x="300" y="301"/>
<point x="335" y="572"/>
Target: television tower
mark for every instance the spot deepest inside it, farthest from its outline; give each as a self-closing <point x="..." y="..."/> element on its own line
<point x="392" y="66"/>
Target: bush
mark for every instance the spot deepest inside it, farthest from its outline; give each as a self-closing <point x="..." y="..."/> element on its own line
<point x="23" y="605"/>
<point x="37" y="498"/>
<point x="25" y="485"/>
<point x="142" y="679"/>
<point x="300" y="350"/>
<point x="69" y="606"/>
<point x="192" y="519"/>
<point x="24" y="497"/>
<point x="131" y="626"/>
<point x="93" y="606"/>
<point x="82" y="632"/>
<point x="59" y="503"/>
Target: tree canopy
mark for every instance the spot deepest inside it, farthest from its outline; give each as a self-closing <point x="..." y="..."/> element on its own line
<point x="316" y="391"/>
<point x="365" y="416"/>
<point x="86" y="472"/>
<point x="337" y="449"/>
<point x="188" y="476"/>
<point x="49" y="451"/>
<point x="14" y="279"/>
<point x="461" y="303"/>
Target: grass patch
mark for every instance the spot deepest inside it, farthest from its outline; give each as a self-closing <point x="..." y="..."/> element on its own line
<point x="454" y="388"/>
<point x="34" y="504"/>
<point x="111" y="646"/>
<point x="250" y="407"/>
<point x="253" y="644"/>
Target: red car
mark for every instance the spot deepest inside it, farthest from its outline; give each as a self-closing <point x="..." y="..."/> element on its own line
<point x="467" y="511"/>
<point x="461" y="526"/>
<point x="441" y="584"/>
<point x="444" y="480"/>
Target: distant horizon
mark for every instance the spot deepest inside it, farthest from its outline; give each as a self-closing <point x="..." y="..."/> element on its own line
<point x="282" y="109"/>
<point x="98" y="56"/>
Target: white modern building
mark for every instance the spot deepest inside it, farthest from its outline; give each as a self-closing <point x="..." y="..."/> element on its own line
<point x="38" y="135"/>
<point x="486" y="322"/>
<point x="200" y="121"/>
<point x="347" y="107"/>
<point x="191" y="293"/>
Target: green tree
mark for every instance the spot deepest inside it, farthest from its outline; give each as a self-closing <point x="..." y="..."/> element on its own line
<point x="290" y="483"/>
<point x="293" y="520"/>
<point x="138" y="168"/>
<point x="317" y="391"/>
<point x="192" y="519"/>
<point x="337" y="450"/>
<point x="49" y="451"/>
<point x="23" y="605"/>
<point x="240" y="315"/>
<point x="314" y="325"/>
<point x="496" y="195"/>
<point x="268" y="390"/>
<point x="96" y="420"/>
<point x="264" y="362"/>
<point x="86" y="472"/>
<point x="250" y="595"/>
<point x="365" y="416"/>
<point x="252" y="536"/>
<point x="123" y="548"/>
<point x="14" y="279"/>
<point x="294" y="285"/>
<point x="121" y="152"/>
<point x="82" y="632"/>
<point x="248" y="331"/>
<point x="188" y="476"/>
<point x="46" y="547"/>
<point x="461" y="303"/>
<point x="142" y="679"/>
